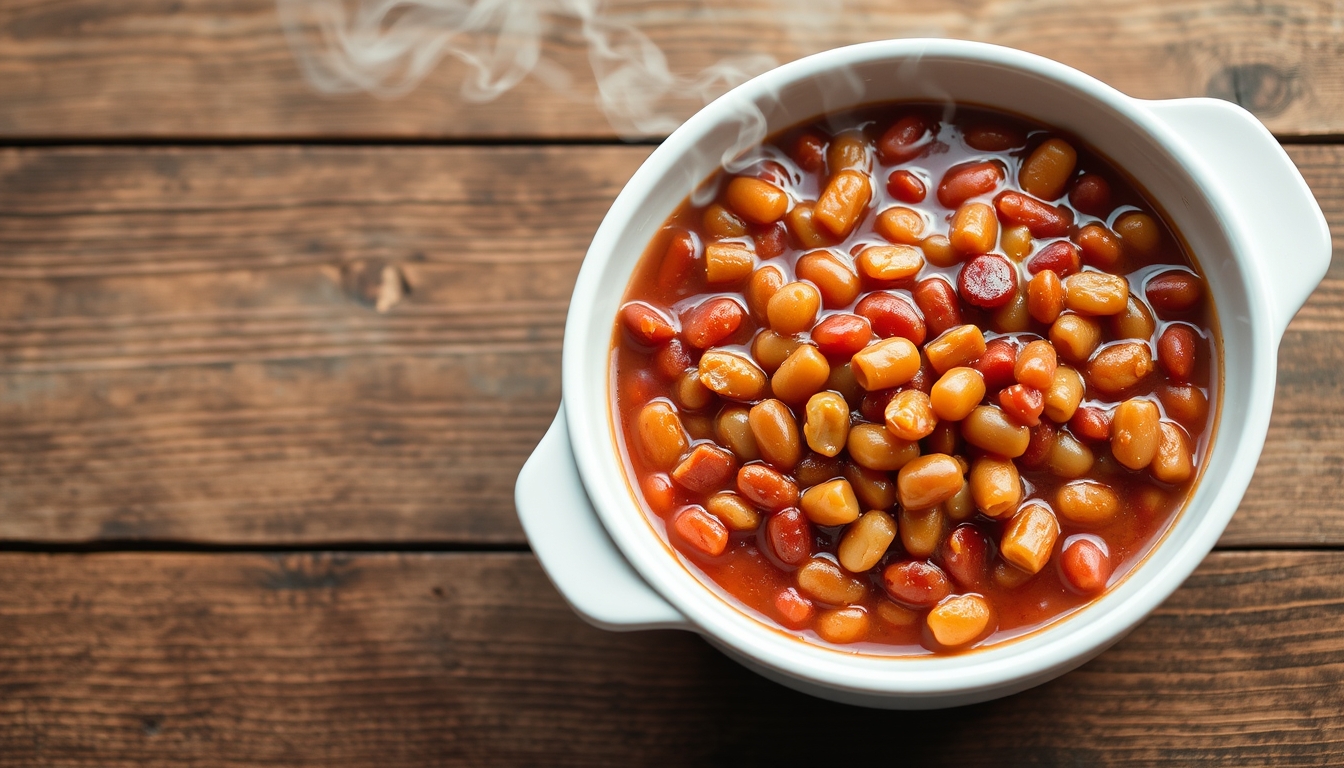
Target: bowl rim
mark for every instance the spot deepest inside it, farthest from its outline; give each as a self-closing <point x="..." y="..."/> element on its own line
<point x="1057" y="647"/>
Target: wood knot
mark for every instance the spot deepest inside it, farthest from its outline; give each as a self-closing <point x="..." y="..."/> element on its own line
<point x="1264" y="89"/>
<point x="375" y="284"/>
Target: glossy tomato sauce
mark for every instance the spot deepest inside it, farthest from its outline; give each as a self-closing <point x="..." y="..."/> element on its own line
<point x="916" y="157"/>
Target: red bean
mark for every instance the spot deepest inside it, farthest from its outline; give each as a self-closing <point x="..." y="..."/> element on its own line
<point x="1174" y="291"/>
<point x="795" y="611"/>
<point x="936" y="299"/>
<point x="672" y="359"/>
<point x="678" y="260"/>
<point x="842" y="335"/>
<point x="712" y="321"/>
<point x="906" y="187"/>
<point x="1176" y="352"/>
<point x="1023" y="404"/>
<point x="904" y="141"/>
<point x="997" y="363"/>
<point x="993" y="138"/>
<point x="1042" y="219"/>
<point x="1092" y="195"/>
<point x="790" y="535"/>
<point x="1060" y="257"/>
<point x="701" y="530"/>
<point x="987" y="281"/>
<point x="1086" y="567"/>
<point x="647" y="325"/>
<point x="1038" y="446"/>
<point x="809" y="151"/>
<point x="1091" y="423"/>
<point x="873" y="407"/>
<point x="659" y="492"/>
<point x="916" y="583"/>
<point x="891" y="315"/>
<point x="706" y="469"/>
<point x="766" y="488"/>
<point x="771" y="241"/>
<point x="965" y="555"/>
<point x="967" y="180"/>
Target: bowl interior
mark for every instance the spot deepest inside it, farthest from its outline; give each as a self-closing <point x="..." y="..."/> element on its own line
<point x="1003" y="79"/>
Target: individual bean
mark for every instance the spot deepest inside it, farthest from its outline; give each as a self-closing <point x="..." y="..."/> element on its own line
<point x="701" y="530"/>
<point x="731" y="376"/>
<point x="662" y="438"/>
<point x="1174" y="291"/>
<point x="728" y="262"/>
<point x="961" y="507"/>
<point x="1139" y="234"/>
<point x="1135" y="322"/>
<point x="892" y="315"/>
<point x="826" y="423"/>
<point x="960" y="620"/>
<point x="790" y="536"/>
<point x="735" y="513"/>
<point x="991" y="137"/>
<point x="699" y="426"/>
<point x="966" y="180"/>
<point x="1119" y="367"/>
<point x="830" y="503"/>
<point x="885" y="263"/>
<point x="921" y="530"/>
<point x="997" y="363"/>
<point x="762" y="285"/>
<point x="671" y="359"/>
<point x="1186" y="404"/>
<point x="905" y="140"/>
<point x="866" y="541"/>
<point x="757" y="201"/>
<point x="916" y="583"/>
<point x="809" y="151"/>
<point x="720" y="222"/>
<point x="712" y="321"/>
<point x="795" y="611"/>
<point x="1091" y="194"/>
<point x="801" y="221"/>
<point x="793" y="308"/>
<point x="989" y="428"/>
<point x="677" y="259"/>
<point x="802" y="374"/>
<point x="1045" y="296"/>
<point x="842" y="381"/>
<point x="690" y="393"/>
<point x="1040" y="219"/>
<point x="815" y="469"/>
<point x="1016" y="242"/>
<point x="1096" y="293"/>
<point x="909" y="415"/>
<point x="1047" y="169"/>
<point x="1036" y="365"/>
<point x="928" y="481"/>
<point x="906" y="187"/>
<point x="1075" y="337"/>
<point x="836" y="282"/>
<point x="939" y="251"/>
<point x="1099" y="247"/>
<point x="872" y="446"/>
<point x="824" y="581"/>
<point x="1172" y="463"/>
<point x="843" y="202"/>
<point x="1023" y="404"/>
<point x="843" y="626"/>
<point x="771" y="349"/>
<point x="660" y="493"/>
<point x="1092" y="424"/>
<point x="1042" y="439"/>
<point x="1029" y="538"/>
<point x="1006" y="576"/>
<point x="938" y="301"/>
<point x="896" y="615"/>
<point x="705" y="469"/>
<point x="987" y="282"/>
<point x="1176" y="352"/>
<point x="888" y="363"/>
<point x="1060" y="257"/>
<point x="1064" y="395"/>
<point x="957" y="393"/>
<point x="900" y="225"/>
<point x="766" y="488"/>
<point x="873" y="487"/>
<point x="732" y="431"/>
<point x="1069" y="458"/>
<point x="647" y="325"/>
<point x="771" y="241"/>
<point x="842" y="335"/>
<point x="996" y="486"/>
<point x="1086" y="567"/>
<point x="848" y="150"/>
<point x="1086" y="502"/>
<point x="776" y="433"/>
<point x="1135" y="433"/>
<point x="957" y="347"/>
<point x="965" y="555"/>
<point x="974" y="229"/>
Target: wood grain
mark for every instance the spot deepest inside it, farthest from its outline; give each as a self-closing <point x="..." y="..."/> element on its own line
<point x="191" y="351"/>
<point x="145" y="659"/>
<point x="210" y="68"/>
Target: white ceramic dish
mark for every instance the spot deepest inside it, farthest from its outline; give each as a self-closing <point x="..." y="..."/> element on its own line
<point x="1223" y="180"/>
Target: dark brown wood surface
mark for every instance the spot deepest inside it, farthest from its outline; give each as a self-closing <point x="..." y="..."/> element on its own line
<point x="208" y="68"/>
<point x="472" y="659"/>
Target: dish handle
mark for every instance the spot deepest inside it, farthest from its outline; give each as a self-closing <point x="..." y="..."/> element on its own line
<point x="1273" y="206"/>
<point x="574" y="549"/>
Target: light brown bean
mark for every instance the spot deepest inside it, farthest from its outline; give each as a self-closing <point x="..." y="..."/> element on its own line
<point x="890" y="262"/>
<point x="1119" y="367"/>
<point x="961" y="507"/>
<point x="975" y="229"/>
<point x="732" y="430"/>
<point x="1068" y="457"/>
<point x="909" y="415"/>
<point x="1029" y="538"/>
<point x="732" y="376"/>
<point x="1035" y="366"/>
<point x="757" y="201"/>
<point x="1045" y="296"/>
<point x="921" y="530"/>
<point x="1136" y="322"/>
<point x="900" y="225"/>
<point x="771" y="349"/>
<point x="1075" y="337"/>
<point x="958" y="346"/>
<point x="939" y="251"/>
<point x="830" y="503"/>
<point x="1046" y="171"/>
<point x="929" y="481"/>
<point x="1064" y="395"/>
<point x="1096" y="293"/>
<point x="1173" y="462"/>
<point x="801" y="375"/>
<point x="995" y="486"/>
<point x="1139" y="233"/>
<point x="824" y="581"/>
<point x="888" y="363"/>
<point x="842" y="626"/>
<point x="988" y="427"/>
<point x="793" y="308"/>
<point x="1016" y="242"/>
<point x="866" y="541"/>
<point x="874" y="447"/>
<point x="776" y="434"/>
<point x="1086" y="502"/>
<point x="834" y="279"/>
<point x="956" y="393"/>
<point x="826" y="423"/>
<point x="959" y="620"/>
<point x="843" y="202"/>
<point x="1135" y="432"/>
<point x="728" y="262"/>
<point x="662" y="439"/>
<point x="734" y="511"/>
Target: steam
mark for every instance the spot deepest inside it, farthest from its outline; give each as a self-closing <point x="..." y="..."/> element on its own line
<point x="387" y="47"/>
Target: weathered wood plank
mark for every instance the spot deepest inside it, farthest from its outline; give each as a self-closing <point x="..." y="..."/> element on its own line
<point x="144" y="659"/>
<point x="206" y="68"/>
<point x="190" y="349"/>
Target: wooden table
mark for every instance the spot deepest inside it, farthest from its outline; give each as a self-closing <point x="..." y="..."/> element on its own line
<point x="249" y="518"/>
